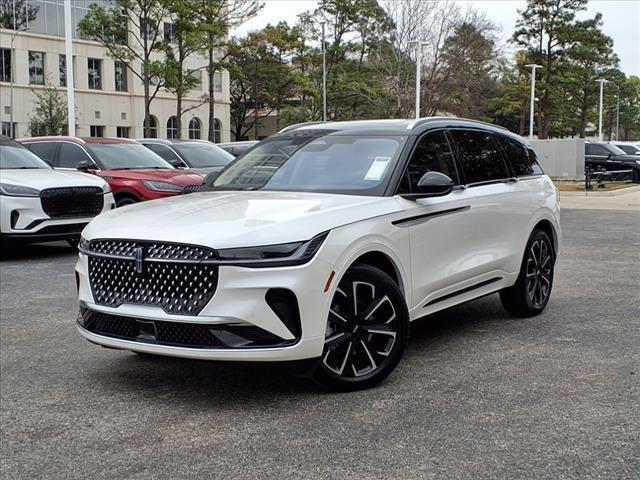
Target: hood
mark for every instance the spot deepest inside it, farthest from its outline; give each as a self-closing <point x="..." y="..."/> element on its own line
<point x="237" y="219"/>
<point x="627" y="158"/>
<point x="42" y="178"/>
<point x="178" y="177"/>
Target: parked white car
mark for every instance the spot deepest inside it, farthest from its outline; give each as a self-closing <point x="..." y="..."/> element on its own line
<point x="323" y="242"/>
<point x="38" y="203"/>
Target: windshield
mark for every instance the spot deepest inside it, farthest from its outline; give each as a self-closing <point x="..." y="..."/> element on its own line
<point x="202" y="155"/>
<point x="629" y="149"/>
<point x="317" y="162"/>
<point x="615" y="150"/>
<point x="126" y="156"/>
<point x="15" y="156"/>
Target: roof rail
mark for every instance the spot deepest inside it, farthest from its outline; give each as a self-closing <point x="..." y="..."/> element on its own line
<point x="420" y="121"/>
<point x="298" y="125"/>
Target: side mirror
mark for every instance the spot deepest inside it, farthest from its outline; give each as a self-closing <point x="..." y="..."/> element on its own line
<point x="177" y="163"/>
<point x="610" y="155"/>
<point x="85" y="165"/>
<point x="432" y="184"/>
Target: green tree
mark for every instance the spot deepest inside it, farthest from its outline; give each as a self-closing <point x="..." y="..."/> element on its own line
<point x="49" y="112"/>
<point x="544" y="29"/>
<point x="216" y="18"/>
<point x="130" y="31"/>
<point x="186" y="39"/>
<point x="263" y="79"/>
<point x="17" y="14"/>
<point x="630" y="109"/>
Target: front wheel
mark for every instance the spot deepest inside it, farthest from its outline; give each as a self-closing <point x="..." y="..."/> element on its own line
<point x="367" y="331"/>
<point x="530" y="295"/>
<point x="124" y="201"/>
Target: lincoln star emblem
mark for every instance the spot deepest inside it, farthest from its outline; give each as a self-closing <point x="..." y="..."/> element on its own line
<point x="138" y="255"/>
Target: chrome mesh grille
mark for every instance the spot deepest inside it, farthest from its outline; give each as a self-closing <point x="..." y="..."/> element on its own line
<point x="72" y="202"/>
<point x="191" y="189"/>
<point x="153" y="250"/>
<point x="170" y="275"/>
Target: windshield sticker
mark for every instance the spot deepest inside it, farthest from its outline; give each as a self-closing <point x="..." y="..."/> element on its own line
<point x="377" y="168"/>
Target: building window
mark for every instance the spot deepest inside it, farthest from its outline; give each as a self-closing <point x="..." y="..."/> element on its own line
<point x="36" y="68"/>
<point x="217" y="81"/>
<point x="120" y="69"/>
<point x="172" y="128"/>
<point x="7" y="131"/>
<point x="62" y="69"/>
<point x="194" y="128"/>
<point x="96" y="130"/>
<point x="149" y="28"/>
<point x="170" y="32"/>
<point x="94" y="73"/>
<point x="122" y="132"/>
<point x="196" y="75"/>
<point x="153" y="127"/>
<point x="217" y="128"/>
<point x="5" y="65"/>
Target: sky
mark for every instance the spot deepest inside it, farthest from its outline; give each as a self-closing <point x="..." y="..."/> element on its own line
<point x="621" y="21"/>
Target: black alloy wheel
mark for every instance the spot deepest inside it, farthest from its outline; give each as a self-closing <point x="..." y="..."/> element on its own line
<point x="530" y="295"/>
<point x="367" y="331"/>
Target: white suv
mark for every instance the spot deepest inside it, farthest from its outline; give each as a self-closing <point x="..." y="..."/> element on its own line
<point x="324" y="242"/>
<point x="38" y="203"/>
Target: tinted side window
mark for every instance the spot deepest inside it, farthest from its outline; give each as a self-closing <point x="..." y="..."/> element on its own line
<point x="45" y="150"/>
<point x="521" y="160"/>
<point x="595" y="149"/>
<point x="164" y="152"/>
<point x="432" y="154"/>
<point x="479" y="155"/>
<point x="72" y="155"/>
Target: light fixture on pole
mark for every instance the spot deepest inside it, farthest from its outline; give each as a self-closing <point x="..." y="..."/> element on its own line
<point x="533" y="67"/>
<point x="71" y="101"/>
<point x="324" y="76"/>
<point x="419" y="45"/>
<point x="601" y="81"/>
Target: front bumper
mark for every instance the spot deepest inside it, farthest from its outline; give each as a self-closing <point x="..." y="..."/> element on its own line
<point x="23" y="219"/>
<point x="239" y="300"/>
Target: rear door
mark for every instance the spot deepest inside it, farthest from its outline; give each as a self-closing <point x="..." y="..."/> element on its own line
<point x="500" y="206"/>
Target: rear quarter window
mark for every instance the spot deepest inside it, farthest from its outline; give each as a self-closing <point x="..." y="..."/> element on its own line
<point x="479" y="155"/>
<point x="521" y="160"/>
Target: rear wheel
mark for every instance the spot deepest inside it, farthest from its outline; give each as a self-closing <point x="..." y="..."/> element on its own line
<point x="367" y="331"/>
<point x="530" y="295"/>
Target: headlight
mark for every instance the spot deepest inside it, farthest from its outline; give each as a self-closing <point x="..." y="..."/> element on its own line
<point x="106" y="189"/>
<point x="83" y="245"/>
<point x="18" y="191"/>
<point x="638" y="162"/>
<point x="280" y="255"/>
<point x="162" y="186"/>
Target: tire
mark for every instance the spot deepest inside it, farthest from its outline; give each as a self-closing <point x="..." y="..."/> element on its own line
<point x="530" y="294"/>
<point x="123" y="201"/>
<point x="366" y="337"/>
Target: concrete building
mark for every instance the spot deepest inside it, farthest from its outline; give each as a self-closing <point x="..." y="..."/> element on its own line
<point x="109" y="97"/>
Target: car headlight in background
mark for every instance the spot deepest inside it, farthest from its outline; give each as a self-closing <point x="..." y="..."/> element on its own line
<point x="280" y="255"/>
<point x="162" y="186"/>
<point x="638" y="162"/>
<point x="18" y="191"/>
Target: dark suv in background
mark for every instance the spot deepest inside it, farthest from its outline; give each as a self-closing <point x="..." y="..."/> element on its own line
<point x="604" y="156"/>
<point x="199" y="155"/>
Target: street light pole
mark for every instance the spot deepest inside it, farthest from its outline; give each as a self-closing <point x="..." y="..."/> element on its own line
<point x="324" y="77"/>
<point x="71" y="101"/>
<point x="601" y="81"/>
<point x="419" y="45"/>
<point x="533" y="67"/>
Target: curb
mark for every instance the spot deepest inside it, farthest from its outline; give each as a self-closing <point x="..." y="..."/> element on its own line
<point x="613" y="193"/>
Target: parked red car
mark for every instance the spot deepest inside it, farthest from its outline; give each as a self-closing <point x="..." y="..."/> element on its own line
<point x="133" y="171"/>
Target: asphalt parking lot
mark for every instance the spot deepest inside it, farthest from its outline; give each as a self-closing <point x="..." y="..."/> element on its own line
<point x="478" y="395"/>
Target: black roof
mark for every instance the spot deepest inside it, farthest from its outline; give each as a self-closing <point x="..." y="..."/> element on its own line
<point x="394" y="127"/>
